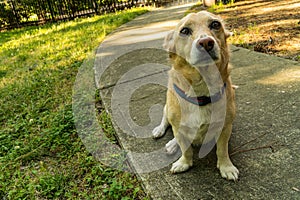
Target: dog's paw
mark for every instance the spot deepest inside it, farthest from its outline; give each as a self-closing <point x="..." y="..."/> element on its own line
<point x="172" y="146"/>
<point x="158" y="131"/>
<point x="229" y="172"/>
<point x="235" y="87"/>
<point x="180" y="166"/>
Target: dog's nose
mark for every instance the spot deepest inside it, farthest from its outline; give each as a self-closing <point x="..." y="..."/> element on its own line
<point x="207" y="43"/>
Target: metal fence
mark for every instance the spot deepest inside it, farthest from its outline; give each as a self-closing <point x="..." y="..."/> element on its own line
<point x="18" y="13"/>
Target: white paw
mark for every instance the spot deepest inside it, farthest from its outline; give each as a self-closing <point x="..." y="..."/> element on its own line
<point x="172" y="146"/>
<point x="158" y="131"/>
<point x="229" y="172"/>
<point x="180" y="166"/>
<point x="235" y="86"/>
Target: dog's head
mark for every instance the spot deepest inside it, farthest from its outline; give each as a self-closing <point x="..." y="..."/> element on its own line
<point x="199" y="38"/>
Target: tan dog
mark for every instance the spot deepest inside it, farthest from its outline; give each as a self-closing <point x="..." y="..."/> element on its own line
<point x="196" y="46"/>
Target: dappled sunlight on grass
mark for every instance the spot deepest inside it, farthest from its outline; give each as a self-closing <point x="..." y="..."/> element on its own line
<point x="267" y="26"/>
<point x="53" y="46"/>
<point x="41" y="155"/>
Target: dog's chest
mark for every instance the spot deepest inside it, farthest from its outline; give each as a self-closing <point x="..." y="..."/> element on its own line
<point x="195" y="121"/>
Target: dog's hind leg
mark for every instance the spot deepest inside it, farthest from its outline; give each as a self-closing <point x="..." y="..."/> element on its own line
<point x="160" y="130"/>
<point x="172" y="146"/>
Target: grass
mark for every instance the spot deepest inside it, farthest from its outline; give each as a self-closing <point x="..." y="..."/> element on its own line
<point x="220" y="6"/>
<point x="239" y="37"/>
<point x="271" y="28"/>
<point x="41" y="155"/>
<point x="216" y="8"/>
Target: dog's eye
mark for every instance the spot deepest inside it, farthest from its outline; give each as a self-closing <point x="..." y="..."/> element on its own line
<point x="215" y="25"/>
<point x="186" y="31"/>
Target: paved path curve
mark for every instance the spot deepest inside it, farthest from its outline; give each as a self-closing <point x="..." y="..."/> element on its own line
<point x="131" y="74"/>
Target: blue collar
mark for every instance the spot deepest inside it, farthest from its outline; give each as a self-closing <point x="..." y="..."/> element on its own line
<point x="201" y="100"/>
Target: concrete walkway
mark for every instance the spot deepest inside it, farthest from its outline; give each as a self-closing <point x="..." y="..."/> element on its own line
<point x="265" y="145"/>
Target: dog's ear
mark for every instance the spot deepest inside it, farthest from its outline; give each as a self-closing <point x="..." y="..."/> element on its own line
<point x="169" y="43"/>
<point x="228" y="33"/>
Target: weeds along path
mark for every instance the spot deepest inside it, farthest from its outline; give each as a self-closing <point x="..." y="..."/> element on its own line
<point x="41" y="155"/>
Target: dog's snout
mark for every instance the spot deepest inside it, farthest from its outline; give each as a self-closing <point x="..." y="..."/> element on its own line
<point x="207" y="43"/>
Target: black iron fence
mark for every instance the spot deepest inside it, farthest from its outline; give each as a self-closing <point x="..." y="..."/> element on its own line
<point x="18" y="13"/>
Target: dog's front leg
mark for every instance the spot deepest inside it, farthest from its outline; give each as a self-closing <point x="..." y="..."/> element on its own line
<point x="186" y="160"/>
<point x="160" y="130"/>
<point x="224" y="164"/>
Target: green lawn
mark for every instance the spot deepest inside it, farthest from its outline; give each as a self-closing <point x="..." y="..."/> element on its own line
<point x="41" y="155"/>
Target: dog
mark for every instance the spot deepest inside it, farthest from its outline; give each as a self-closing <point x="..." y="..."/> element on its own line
<point x="196" y="45"/>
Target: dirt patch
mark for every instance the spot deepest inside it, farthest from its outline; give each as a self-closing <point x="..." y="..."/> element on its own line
<point x="268" y="26"/>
